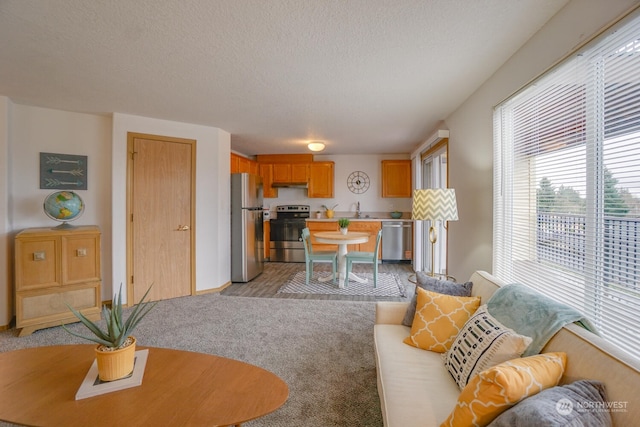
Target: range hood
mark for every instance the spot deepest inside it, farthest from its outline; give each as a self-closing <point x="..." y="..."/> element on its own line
<point x="289" y="185"/>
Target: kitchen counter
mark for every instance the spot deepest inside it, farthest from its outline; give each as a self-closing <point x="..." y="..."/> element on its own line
<point x="366" y="216"/>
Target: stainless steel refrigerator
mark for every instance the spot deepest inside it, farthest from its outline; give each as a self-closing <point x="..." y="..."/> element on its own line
<point x="247" y="239"/>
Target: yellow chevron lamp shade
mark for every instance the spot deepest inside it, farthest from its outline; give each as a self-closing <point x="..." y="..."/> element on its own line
<point x="435" y="204"/>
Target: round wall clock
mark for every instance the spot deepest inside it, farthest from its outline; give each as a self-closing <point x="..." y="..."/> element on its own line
<point x="358" y="182"/>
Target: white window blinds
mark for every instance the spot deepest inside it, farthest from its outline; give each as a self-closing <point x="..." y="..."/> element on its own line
<point x="567" y="184"/>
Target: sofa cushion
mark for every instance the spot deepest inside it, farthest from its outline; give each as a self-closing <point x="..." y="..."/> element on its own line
<point x="414" y="388"/>
<point x="495" y="390"/>
<point x="438" y="319"/>
<point x="581" y="403"/>
<point x="482" y="343"/>
<point x="435" y="285"/>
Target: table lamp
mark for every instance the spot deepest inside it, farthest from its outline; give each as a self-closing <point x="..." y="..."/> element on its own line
<point x="434" y="204"/>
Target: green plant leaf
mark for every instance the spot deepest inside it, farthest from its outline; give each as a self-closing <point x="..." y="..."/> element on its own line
<point x="117" y="331"/>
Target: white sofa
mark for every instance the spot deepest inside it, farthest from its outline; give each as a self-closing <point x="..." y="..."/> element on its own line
<point x="416" y="389"/>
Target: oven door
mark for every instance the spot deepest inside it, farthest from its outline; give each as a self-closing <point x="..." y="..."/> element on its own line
<point x="286" y="240"/>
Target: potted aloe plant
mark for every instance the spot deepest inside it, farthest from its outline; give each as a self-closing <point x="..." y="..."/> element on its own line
<point x="343" y="223"/>
<point x="115" y="352"/>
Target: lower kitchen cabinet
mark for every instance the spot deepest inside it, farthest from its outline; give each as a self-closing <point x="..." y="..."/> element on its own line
<point x="316" y="226"/>
<point x="370" y="227"/>
<point x="266" y="225"/>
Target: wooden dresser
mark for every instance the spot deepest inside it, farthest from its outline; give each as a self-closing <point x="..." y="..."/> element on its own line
<point x="54" y="266"/>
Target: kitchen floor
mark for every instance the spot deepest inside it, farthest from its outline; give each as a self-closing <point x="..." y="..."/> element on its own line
<point x="276" y="274"/>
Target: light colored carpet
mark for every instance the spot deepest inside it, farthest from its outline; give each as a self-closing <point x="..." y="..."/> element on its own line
<point x="322" y="349"/>
<point x="387" y="286"/>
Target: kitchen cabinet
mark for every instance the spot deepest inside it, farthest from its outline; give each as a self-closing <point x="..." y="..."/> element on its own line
<point x="266" y="225"/>
<point x="54" y="266"/>
<point x="241" y="164"/>
<point x="234" y="168"/>
<point x="321" y="177"/>
<point x="396" y="178"/>
<point x="290" y="172"/>
<point x="371" y="228"/>
<point x="266" y="172"/>
<point x="316" y="226"/>
<point x="284" y="158"/>
<point x="299" y="172"/>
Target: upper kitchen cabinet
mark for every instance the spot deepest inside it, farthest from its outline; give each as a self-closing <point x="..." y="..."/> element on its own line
<point x="396" y="178"/>
<point x="321" y="176"/>
<point x="290" y="172"/>
<point x="240" y="164"/>
<point x="266" y="172"/>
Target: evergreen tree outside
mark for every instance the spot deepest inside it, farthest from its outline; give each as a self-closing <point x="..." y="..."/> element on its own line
<point x="614" y="203"/>
<point x="566" y="200"/>
<point x="546" y="195"/>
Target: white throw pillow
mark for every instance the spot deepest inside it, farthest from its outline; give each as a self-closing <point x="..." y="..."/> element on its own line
<point x="483" y="342"/>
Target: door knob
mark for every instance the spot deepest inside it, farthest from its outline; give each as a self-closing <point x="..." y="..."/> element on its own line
<point x="183" y="228"/>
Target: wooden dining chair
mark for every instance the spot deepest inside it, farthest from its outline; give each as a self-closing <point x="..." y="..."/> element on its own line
<point x="364" y="257"/>
<point x="311" y="256"/>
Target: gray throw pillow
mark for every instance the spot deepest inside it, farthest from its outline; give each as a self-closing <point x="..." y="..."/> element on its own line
<point x="434" y="284"/>
<point x="582" y="403"/>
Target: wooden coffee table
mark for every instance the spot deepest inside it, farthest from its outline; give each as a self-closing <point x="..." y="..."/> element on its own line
<point x="181" y="388"/>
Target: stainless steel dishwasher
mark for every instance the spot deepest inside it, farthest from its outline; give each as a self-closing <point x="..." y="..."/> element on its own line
<point x="397" y="241"/>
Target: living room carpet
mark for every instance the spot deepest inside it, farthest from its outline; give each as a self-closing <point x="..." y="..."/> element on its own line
<point x="388" y="285"/>
<point x="322" y="349"/>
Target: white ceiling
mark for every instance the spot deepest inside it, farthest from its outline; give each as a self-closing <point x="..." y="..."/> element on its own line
<point x="366" y="76"/>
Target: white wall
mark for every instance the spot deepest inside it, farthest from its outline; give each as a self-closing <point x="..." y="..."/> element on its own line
<point x="25" y="131"/>
<point x="370" y="201"/>
<point x="6" y="245"/>
<point x="213" y="257"/>
<point x="471" y="133"/>
<point x="34" y="130"/>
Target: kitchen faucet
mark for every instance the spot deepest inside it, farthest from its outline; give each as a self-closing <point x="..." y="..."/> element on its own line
<point x="358" y="213"/>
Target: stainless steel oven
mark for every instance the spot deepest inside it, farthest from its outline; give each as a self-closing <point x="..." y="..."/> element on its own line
<point x="286" y="230"/>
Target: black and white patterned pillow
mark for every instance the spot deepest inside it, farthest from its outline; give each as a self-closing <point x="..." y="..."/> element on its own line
<point x="483" y="342"/>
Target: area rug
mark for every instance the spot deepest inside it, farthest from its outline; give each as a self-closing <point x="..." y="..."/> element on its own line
<point x="388" y="286"/>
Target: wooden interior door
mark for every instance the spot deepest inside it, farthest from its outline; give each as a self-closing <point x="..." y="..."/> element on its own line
<point x="161" y="217"/>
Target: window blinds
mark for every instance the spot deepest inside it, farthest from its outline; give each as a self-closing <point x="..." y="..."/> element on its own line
<point x="567" y="184"/>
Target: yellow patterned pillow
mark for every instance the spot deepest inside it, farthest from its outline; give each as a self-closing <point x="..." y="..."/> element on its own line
<point x="496" y="389"/>
<point x="438" y="319"/>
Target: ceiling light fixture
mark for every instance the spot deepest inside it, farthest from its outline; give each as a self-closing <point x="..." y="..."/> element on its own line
<point x="316" y="146"/>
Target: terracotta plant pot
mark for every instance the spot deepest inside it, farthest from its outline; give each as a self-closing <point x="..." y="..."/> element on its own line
<point x="116" y="364"/>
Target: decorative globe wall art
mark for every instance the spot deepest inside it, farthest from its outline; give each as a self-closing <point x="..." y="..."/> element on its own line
<point x="63" y="206"/>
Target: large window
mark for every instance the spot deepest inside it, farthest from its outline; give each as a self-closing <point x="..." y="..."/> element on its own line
<point x="567" y="184"/>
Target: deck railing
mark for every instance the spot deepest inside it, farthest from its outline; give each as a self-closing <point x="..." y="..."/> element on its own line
<point x="561" y="239"/>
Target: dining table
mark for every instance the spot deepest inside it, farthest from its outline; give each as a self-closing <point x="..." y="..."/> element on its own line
<point x="342" y="240"/>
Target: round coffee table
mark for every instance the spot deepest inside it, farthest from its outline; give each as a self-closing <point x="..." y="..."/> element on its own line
<point x="38" y="387"/>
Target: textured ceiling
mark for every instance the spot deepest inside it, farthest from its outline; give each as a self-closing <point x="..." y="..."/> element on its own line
<point x="366" y="76"/>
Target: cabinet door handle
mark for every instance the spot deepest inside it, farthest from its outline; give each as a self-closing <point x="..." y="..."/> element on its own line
<point x="183" y="228"/>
